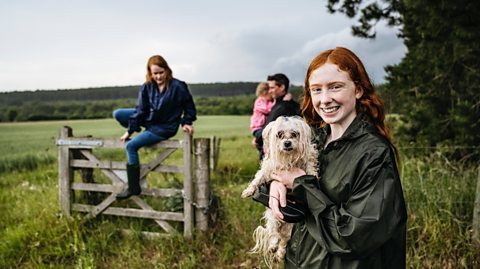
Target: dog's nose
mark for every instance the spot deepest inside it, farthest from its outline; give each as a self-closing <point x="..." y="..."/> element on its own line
<point x="287" y="144"/>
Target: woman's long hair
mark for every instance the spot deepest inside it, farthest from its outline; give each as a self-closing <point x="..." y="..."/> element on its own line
<point x="369" y="103"/>
<point x="158" y="61"/>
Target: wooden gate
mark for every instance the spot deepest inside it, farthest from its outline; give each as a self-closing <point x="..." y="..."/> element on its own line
<point x="76" y="154"/>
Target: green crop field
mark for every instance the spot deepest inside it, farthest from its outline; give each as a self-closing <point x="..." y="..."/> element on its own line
<point x="439" y="193"/>
<point x="27" y="143"/>
<point x="20" y="138"/>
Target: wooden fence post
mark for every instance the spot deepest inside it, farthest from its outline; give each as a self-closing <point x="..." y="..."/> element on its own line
<point x="187" y="186"/>
<point x="476" y="214"/>
<point x="215" y="151"/>
<point x="65" y="173"/>
<point x="202" y="186"/>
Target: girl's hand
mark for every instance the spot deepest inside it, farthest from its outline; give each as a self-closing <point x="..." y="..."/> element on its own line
<point x="188" y="129"/>
<point x="288" y="97"/>
<point x="278" y="197"/>
<point x="287" y="177"/>
<point x="125" y="137"/>
<point x="281" y="181"/>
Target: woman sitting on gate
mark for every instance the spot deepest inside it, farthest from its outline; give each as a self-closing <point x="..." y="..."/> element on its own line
<point x="163" y="104"/>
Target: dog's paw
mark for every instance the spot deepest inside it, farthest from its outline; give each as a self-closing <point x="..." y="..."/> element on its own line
<point x="248" y="192"/>
<point x="280" y="254"/>
<point x="272" y="249"/>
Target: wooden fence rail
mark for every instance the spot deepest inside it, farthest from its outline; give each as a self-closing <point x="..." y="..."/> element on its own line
<point x="75" y="153"/>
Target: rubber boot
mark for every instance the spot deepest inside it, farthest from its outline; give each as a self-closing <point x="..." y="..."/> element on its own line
<point x="133" y="175"/>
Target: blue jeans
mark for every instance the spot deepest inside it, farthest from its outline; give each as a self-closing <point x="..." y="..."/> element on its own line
<point x="259" y="141"/>
<point x="145" y="138"/>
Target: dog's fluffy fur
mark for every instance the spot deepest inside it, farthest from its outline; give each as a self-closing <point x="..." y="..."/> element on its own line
<point x="287" y="144"/>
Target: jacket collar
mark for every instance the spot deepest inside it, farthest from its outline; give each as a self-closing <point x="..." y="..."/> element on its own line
<point x="280" y="98"/>
<point x="360" y="126"/>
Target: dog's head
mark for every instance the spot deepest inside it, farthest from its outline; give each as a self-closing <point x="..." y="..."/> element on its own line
<point x="286" y="136"/>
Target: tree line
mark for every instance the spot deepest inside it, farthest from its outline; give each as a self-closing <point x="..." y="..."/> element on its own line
<point x="97" y="109"/>
<point x="235" y="98"/>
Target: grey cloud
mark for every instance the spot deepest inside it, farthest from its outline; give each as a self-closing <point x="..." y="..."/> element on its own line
<point x="247" y="55"/>
<point x="386" y="49"/>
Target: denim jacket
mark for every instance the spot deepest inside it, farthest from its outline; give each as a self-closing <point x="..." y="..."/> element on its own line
<point x="162" y="113"/>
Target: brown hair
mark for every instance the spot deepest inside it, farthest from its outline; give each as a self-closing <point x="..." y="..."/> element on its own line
<point x="369" y="103"/>
<point x="280" y="79"/>
<point x="158" y="61"/>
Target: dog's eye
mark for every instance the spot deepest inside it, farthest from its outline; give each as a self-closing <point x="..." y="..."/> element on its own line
<point x="280" y="134"/>
<point x="295" y="134"/>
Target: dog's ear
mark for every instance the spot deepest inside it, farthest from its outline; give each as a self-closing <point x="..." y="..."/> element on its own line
<point x="306" y="130"/>
<point x="266" y="138"/>
<point x="305" y="135"/>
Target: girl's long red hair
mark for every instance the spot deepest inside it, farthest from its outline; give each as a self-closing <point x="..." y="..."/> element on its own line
<point x="161" y="62"/>
<point x="369" y="103"/>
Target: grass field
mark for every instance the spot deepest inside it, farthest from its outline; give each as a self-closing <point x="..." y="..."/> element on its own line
<point x="17" y="138"/>
<point x="34" y="234"/>
<point x="29" y="144"/>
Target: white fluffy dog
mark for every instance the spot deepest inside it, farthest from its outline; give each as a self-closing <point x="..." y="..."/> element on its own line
<point x="287" y="144"/>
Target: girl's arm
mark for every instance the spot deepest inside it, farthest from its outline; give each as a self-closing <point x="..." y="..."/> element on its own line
<point x="189" y="110"/>
<point x="262" y="106"/>
<point x="142" y="110"/>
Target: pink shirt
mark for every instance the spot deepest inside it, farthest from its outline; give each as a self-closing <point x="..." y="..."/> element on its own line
<point x="261" y="109"/>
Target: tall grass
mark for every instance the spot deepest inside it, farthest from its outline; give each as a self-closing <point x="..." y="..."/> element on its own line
<point x="440" y="197"/>
<point x="34" y="234"/>
<point x="27" y="161"/>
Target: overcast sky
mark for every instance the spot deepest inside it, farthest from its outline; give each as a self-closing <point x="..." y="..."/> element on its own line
<point x="54" y="44"/>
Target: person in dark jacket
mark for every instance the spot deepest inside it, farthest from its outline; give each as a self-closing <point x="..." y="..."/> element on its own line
<point x="357" y="213"/>
<point x="164" y="103"/>
<point x="278" y="85"/>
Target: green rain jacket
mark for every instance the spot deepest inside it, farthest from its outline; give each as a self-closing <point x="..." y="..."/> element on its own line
<point x="357" y="211"/>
